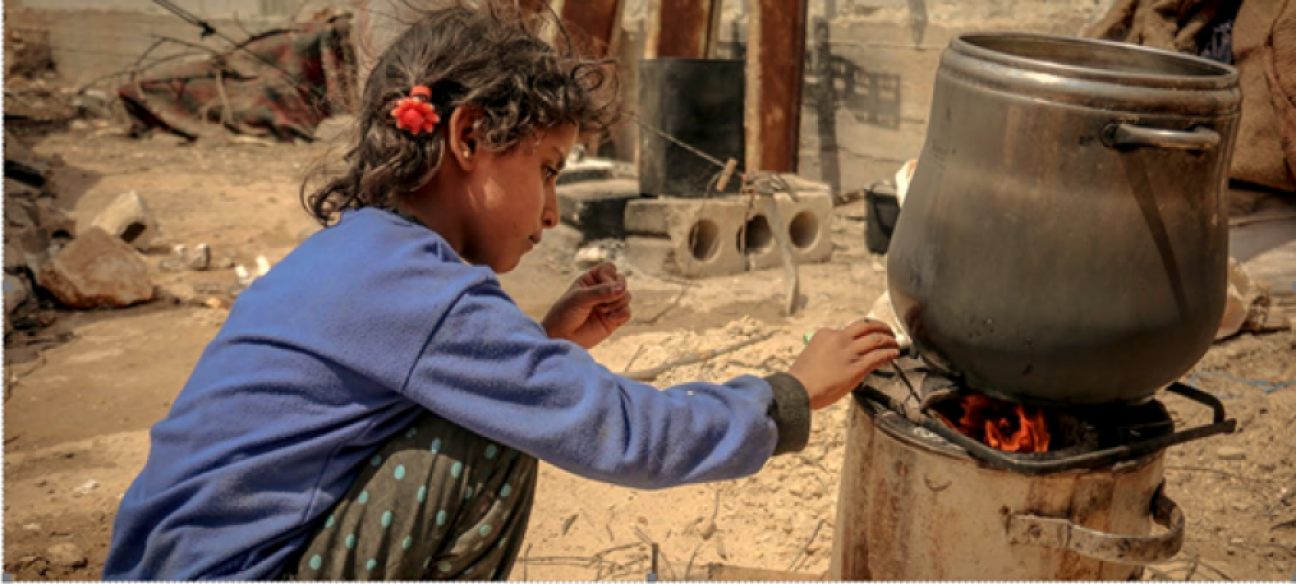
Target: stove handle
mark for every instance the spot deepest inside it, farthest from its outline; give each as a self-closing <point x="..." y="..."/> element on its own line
<point x="1058" y="533"/>
<point x="1129" y="135"/>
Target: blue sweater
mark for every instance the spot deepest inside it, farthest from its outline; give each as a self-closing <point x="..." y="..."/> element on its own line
<point x="343" y="344"/>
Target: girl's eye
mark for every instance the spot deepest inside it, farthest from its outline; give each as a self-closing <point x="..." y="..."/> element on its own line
<point x="550" y="173"/>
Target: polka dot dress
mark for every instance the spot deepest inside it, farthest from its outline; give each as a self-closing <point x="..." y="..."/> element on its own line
<point x="436" y="503"/>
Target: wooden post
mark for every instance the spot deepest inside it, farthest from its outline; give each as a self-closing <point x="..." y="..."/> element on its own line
<point x="598" y="21"/>
<point x="775" y="77"/>
<point x="682" y="29"/>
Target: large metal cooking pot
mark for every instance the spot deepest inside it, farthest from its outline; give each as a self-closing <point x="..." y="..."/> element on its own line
<point x="1064" y="240"/>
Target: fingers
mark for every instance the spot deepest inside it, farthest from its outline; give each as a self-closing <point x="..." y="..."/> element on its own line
<point x="619" y="316"/>
<point x="620" y="303"/>
<point x="605" y="272"/>
<point x="874" y="342"/>
<point x="866" y="326"/>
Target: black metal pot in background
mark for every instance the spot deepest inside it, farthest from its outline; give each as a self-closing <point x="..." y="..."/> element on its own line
<point x="1064" y="240"/>
<point x="699" y="102"/>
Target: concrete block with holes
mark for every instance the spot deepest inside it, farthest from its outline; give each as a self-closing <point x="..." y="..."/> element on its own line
<point x="694" y="238"/>
<point x="806" y="221"/>
<point x="701" y="238"/>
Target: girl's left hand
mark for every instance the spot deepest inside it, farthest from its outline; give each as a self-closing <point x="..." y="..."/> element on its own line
<point x="595" y="306"/>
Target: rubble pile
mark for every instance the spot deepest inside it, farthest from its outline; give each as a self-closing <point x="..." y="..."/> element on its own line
<point x="47" y="260"/>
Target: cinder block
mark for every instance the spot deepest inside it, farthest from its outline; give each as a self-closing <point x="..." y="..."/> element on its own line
<point x="804" y="220"/>
<point x="693" y="238"/>
<point x="729" y="235"/>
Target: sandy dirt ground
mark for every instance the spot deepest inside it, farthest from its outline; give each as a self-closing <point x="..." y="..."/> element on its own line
<point x="86" y="390"/>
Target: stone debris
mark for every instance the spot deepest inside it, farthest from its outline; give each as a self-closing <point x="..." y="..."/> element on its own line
<point x="129" y="218"/>
<point x="184" y="259"/>
<point x="1231" y="453"/>
<point x="85" y="488"/>
<point x="246" y="278"/>
<point x="66" y="555"/>
<point x="98" y="270"/>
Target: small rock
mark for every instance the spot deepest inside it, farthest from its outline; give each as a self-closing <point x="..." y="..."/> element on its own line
<point x="1231" y="453"/>
<point x="97" y="270"/>
<point x="67" y="555"/>
<point x="592" y="256"/>
<point x="32" y="527"/>
<point x="177" y="292"/>
<point x="85" y="489"/>
<point x="184" y="259"/>
<point x="130" y="220"/>
<point x="1237" y="541"/>
<point x="16" y="292"/>
<point x="42" y="483"/>
<point x="708" y="530"/>
<point x="79" y="126"/>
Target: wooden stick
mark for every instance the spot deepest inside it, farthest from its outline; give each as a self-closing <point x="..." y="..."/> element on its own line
<point x="813" y="535"/>
<point x="653" y="373"/>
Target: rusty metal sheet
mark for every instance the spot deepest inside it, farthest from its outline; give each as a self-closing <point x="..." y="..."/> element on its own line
<point x="598" y="21"/>
<point x="775" y="77"/>
<point x="683" y="29"/>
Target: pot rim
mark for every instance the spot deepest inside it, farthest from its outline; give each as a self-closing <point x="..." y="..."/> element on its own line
<point x="1215" y="75"/>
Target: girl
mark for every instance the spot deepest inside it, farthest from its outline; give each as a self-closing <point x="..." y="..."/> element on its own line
<point x="375" y="406"/>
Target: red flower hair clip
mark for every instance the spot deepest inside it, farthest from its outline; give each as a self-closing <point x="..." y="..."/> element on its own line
<point x="414" y="113"/>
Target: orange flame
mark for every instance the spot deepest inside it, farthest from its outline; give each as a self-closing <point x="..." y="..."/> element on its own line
<point x="1000" y="425"/>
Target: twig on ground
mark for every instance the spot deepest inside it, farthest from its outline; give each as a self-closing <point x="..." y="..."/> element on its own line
<point x="618" y="548"/>
<point x="653" y="373"/>
<point x="813" y="534"/>
<point x="715" y="507"/>
<point x="708" y="531"/>
<point x="526" y="561"/>
<point x="1192" y="570"/>
<point x="656" y="552"/>
<point x="633" y="358"/>
<point x="674" y="303"/>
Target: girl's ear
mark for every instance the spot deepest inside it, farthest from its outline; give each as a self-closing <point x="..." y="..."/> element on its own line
<point x="461" y="135"/>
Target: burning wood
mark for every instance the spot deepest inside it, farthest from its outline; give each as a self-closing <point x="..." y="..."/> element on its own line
<point x="998" y="424"/>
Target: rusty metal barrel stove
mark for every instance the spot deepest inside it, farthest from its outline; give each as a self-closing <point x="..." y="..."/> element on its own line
<point x="1063" y="247"/>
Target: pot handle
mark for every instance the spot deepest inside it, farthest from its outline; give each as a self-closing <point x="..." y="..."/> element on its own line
<point x="1124" y="134"/>
<point x="1108" y="547"/>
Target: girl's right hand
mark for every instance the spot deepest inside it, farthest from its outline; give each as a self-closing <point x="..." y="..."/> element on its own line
<point x="836" y="360"/>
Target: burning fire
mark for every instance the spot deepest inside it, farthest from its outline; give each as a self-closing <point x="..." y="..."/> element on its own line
<point x="999" y="424"/>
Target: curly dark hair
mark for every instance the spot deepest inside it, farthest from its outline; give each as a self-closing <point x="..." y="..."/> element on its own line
<point x="490" y="55"/>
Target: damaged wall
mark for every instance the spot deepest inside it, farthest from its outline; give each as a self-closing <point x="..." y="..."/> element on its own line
<point x="92" y="39"/>
<point x="881" y="56"/>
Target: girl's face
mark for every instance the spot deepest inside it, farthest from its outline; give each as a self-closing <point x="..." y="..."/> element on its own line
<point x="513" y="198"/>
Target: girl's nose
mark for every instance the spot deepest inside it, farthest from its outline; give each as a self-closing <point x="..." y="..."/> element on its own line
<point x="549" y="217"/>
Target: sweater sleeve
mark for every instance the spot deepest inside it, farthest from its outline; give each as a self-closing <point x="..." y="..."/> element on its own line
<point x="491" y="369"/>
